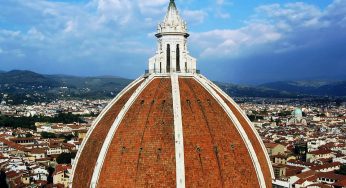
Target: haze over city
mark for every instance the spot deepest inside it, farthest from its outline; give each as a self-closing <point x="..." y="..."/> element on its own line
<point x="266" y="40"/>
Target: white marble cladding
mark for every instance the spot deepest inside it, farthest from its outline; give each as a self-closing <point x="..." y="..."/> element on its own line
<point x="172" y="22"/>
<point x="172" y="54"/>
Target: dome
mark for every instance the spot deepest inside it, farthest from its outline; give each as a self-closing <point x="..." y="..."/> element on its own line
<point x="172" y="127"/>
<point x="166" y="130"/>
<point x="298" y="113"/>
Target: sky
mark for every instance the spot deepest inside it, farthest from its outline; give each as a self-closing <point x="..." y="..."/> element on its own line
<point x="239" y="41"/>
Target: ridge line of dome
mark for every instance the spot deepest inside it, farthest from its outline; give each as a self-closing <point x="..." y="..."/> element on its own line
<point x="112" y="131"/>
<point x="240" y="129"/>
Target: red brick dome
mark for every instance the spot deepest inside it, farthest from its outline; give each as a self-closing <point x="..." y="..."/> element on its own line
<point x="172" y="130"/>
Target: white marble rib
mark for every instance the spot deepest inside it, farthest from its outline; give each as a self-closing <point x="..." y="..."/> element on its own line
<point x="113" y="130"/>
<point x="178" y="133"/>
<point x="97" y="120"/>
<point x="240" y="129"/>
<point x="247" y="120"/>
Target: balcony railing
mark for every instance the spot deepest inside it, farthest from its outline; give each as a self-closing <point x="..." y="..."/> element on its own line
<point x="172" y="71"/>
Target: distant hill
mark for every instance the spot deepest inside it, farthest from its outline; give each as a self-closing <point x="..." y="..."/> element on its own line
<point x="317" y="88"/>
<point x="26" y="79"/>
<point x="27" y="86"/>
<point x="107" y="83"/>
<point x="33" y="87"/>
<point x="235" y="90"/>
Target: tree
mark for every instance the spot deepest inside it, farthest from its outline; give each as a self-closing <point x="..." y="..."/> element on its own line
<point x="278" y="121"/>
<point x="271" y="119"/>
<point x="285" y="113"/>
<point x="65" y="158"/>
<point x="3" y="180"/>
<point x="342" y="170"/>
<point x="67" y="118"/>
<point x="67" y="137"/>
<point x="29" y="122"/>
<point x="50" y="176"/>
<point x="48" y="135"/>
<point x="28" y="135"/>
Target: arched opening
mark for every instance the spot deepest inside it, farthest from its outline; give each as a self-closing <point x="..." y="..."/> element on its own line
<point x="185" y="66"/>
<point x="168" y="58"/>
<point x="178" y="58"/>
<point x="160" y="67"/>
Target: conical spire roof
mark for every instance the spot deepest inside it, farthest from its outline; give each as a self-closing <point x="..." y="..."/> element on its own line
<point x="172" y="11"/>
<point x="173" y="21"/>
<point x="172" y="4"/>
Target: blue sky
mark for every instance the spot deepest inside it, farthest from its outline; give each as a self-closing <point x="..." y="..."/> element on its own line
<point x="242" y="41"/>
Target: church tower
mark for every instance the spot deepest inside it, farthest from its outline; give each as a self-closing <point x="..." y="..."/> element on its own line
<point x="172" y="53"/>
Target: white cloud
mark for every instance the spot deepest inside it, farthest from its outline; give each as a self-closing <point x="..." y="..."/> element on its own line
<point x="119" y="11"/>
<point x="70" y="25"/>
<point x="335" y="13"/>
<point x="295" y="14"/>
<point x="50" y="12"/>
<point x="8" y="33"/>
<point x="219" y="2"/>
<point x="273" y="26"/>
<point x="222" y="15"/>
<point x="18" y="53"/>
<point x="196" y="16"/>
<point x="152" y="3"/>
<point x="115" y="32"/>
<point x="229" y="43"/>
<point x="34" y="34"/>
<point x="224" y="2"/>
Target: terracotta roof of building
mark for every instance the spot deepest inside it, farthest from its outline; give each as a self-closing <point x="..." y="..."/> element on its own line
<point x="320" y="152"/>
<point x="75" y="127"/>
<point x="59" y="185"/>
<point x="12" y="174"/>
<point x="271" y="145"/>
<point x="298" y="162"/>
<point x="68" y="145"/>
<point x="37" y="151"/>
<point x="13" y="145"/>
<point x="22" y="139"/>
<point x="306" y="174"/>
<point x="61" y="168"/>
<point x="319" y="185"/>
<point x="281" y="156"/>
<point x="312" y="178"/>
<point x="293" y="170"/>
<point x="341" y="183"/>
<point x="41" y="182"/>
<point x="279" y="165"/>
<point x="325" y="166"/>
<point x="331" y="175"/>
